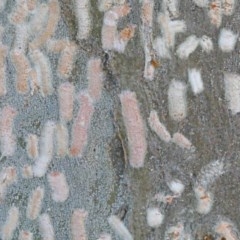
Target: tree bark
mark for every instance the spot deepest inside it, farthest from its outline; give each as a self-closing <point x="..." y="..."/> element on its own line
<point x="101" y="181"/>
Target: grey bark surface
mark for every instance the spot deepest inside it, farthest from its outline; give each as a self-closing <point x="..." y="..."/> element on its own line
<point x="102" y="182"/>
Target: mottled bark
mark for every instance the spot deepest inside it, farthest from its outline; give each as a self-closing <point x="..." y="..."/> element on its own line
<point x="101" y="181"/>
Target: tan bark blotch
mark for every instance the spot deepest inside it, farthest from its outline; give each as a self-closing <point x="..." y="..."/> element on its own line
<point x="167" y="199"/>
<point x="49" y="30"/>
<point x="39" y="20"/>
<point x="122" y="10"/>
<point x="44" y="72"/>
<point x="11" y="223"/>
<point x="215" y="13"/>
<point x="62" y="140"/>
<point x="204" y="181"/>
<point x="58" y="45"/>
<point x="31" y="4"/>
<point x="81" y="125"/>
<point x="7" y="137"/>
<point x="204" y="200"/>
<point x="59" y="186"/>
<point x="155" y="63"/>
<point x="175" y="232"/>
<point x="208" y="237"/>
<point x="25" y="235"/>
<point x="32" y="146"/>
<point x="66" y="61"/>
<point x="158" y="127"/>
<point x="46" y="150"/>
<point x="108" y="37"/>
<point x="228" y="7"/>
<point x="135" y="129"/>
<point x="170" y="28"/>
<point x="111" y="38"/>
<point x="180" y="140"/>
<point x="95" y="78"/>
<point x="23" y="69"/>
<point x="8" y="114"/>
<point x="35" y="203"/>
<point x="127" y="33"/>
<point x="147" y="12"/>
<point x="227" y="230"/>
<point x="78" y="224"/>
<point x="19" y="13"/>
<point x="7" y="177"/>
<point x="46" y="227"/>
<point x="3" y="55"/>
<point x="27" y="171"/>
<point x="66" y="98"/>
